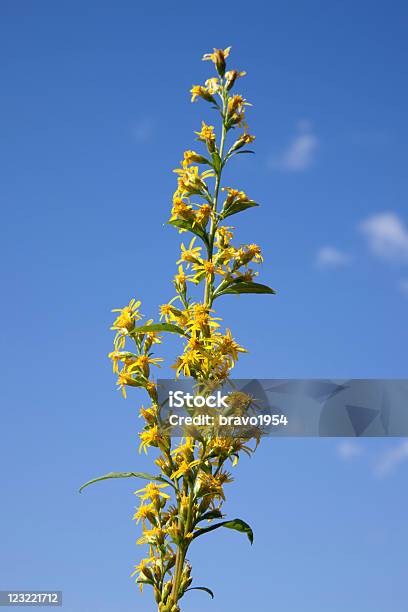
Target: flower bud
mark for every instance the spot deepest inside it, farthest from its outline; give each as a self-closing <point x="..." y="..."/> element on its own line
<point x="152" y="391"/>
<point x="242" y="140"/>
<point x="166" y="590"/>
<point x="157" y="595"/>
<point x="191" y="157"/>
<point x="231" y="76"/>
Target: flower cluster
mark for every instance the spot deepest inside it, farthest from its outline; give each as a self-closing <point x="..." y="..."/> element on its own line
<point x="189" y="491"/>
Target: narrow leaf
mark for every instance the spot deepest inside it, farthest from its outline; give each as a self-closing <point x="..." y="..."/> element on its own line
<point x="197" y="230"/>
<point x="237" y="207"/>
<point x="123" y="475"/>
<point x="209" y="591"/>
<point x="211" y="514"/>
<point x="159" y="327"/>
<point x="236" y="524"/>
<point x="242" y="286"/>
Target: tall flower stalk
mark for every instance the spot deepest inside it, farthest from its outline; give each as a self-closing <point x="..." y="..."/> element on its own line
<point x="180" y="503"/>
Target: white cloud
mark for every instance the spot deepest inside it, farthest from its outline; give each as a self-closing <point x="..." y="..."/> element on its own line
<point x="300" y="153"/>
<point x="387" y="236"/>
<point x="391" y="459"/>
<point x="403" y="285"/>
<point x="143" y="129"/>
<point x="349" y="449"/>
<point x="331" y="257"/>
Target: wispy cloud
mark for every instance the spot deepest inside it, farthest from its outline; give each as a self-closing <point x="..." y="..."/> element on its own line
<point x="349" y="449"/>
<point x="300" y="153"/>
<point x="403" y="286"/>
<point x="387" y="236"/>
<point x="143" y="129"/>
<point x="330" y="257"/>
<point x="391" y="459"/>
<point x="381" y="463"/>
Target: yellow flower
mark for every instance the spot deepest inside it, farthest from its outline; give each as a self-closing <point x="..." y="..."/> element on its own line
<point x="190" y="182"/>
<point x="244" y="139"/>
<point x="190" y="254"/>
<point x="181" y="210"/>
<point x="169" y="312"/>
<point x="248" y="275"/>
<point x="228" y="346"/>
<point x="125" y="321"/>
<point x="218" y="57"/>
<point x="143" y="362"/>
<point x="155" y="537"/>
<point x="181" y="279"/>
<point x="153" y="492"/>
<point x="144" y="512"/>
<point x="185" y="448"/>
<point x="234" y="195"/>
<point x="150" y="437"/>
<point x="198" y="91"/>
<point x="207" y="269"/>
<point x="201" y="319"/>
<point x="231" y="76"/>
<point x="191" y="157"/>
<point x="226" y="255"/>
<point x="117" y="356"/>
<point x="236" y="104"/>
<point x="125" y="379"/>
<point x="184" y="467"/>
<point x="152" y="390"/>
<point x="224" y="477"/>
<point x="206" y="133"/>
<point x="212" y="85"/>
<point x="149" y="414"/>
<point x="229" y="447"/>
<point x="237" y="118"/>
<point x="223" y="236"/>
<point x="212" y="485"/>
<point x="202" y="215"/>
<point x="213" y="56"/>
<point x="222" y="447"/>
<point x="185" y="363"/>
<point x="254" y="252"/>
<point x="143" y="570"/>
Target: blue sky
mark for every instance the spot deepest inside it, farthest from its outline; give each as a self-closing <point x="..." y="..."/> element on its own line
<point x="95" y="113"/>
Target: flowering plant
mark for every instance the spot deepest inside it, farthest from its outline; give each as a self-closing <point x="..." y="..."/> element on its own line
<point x="179" y="504"/>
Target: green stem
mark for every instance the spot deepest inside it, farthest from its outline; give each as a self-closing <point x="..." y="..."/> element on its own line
<point x="182" y="548"/>
<point x="213" y="228"/>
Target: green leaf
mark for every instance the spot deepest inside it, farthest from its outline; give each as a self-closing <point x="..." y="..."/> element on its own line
<point x="123" y="475"/>
<point x="211" y="514"/>
<point x="187" y="225"/>
<point x="209" y="591"/>
<point x="236" y="524"/>
<point x="237" y="207"/>
<point x="243" y="286"/>
<point x="159" y="327"/>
